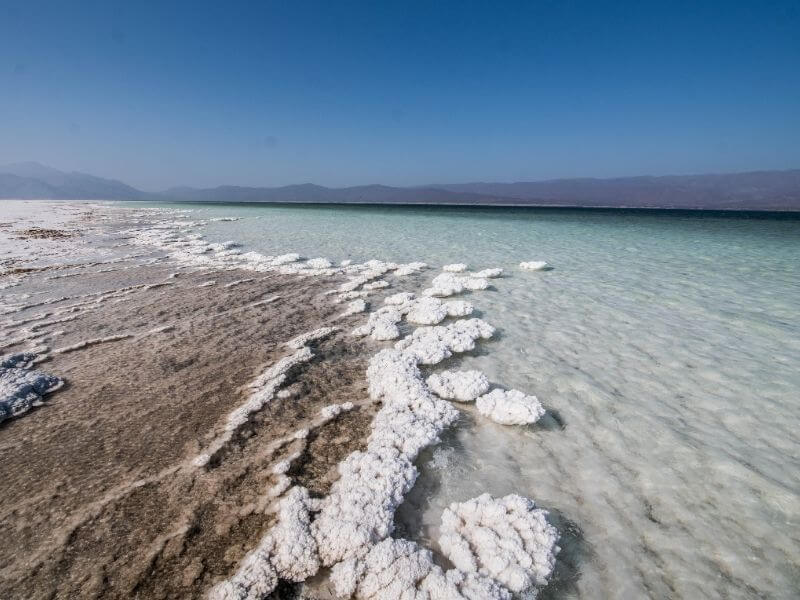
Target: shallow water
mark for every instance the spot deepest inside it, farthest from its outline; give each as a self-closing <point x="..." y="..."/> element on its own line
<point x="667" y="350"/>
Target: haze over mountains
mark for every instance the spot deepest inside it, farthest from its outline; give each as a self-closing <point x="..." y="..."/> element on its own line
<point x="758" y="190"/>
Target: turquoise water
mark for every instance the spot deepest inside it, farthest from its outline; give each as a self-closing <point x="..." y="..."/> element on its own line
<point x="666" y="348"/>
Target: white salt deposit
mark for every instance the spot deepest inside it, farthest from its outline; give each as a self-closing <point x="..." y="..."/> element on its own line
<point x="534" y="265"/>
<point x="426" y="311"/>
<point x="400" y="570"/>
<point x="22" y="388"/>
<point x="507" y="539"/>
<point x="463" y="386"/>
<point x="455" y="268"/>
<point x="356" y="306"/>
<point x="510" y="407"/>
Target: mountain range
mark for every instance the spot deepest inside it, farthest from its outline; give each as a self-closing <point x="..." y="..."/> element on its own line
<point x="757" y="190"/>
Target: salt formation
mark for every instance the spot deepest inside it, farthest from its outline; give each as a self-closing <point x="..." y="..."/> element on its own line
<point x="458" y="308"/>
<point x="430" y="345"/>
<point x="288" y="552"/>
<point x="455" y="268"/>
<point x="410" y="269"/>
<point x="356" y="306"/>
<point x="447" y="284"/>
<point x="426" y="311"/>
<point x="334" y="410"/>
<point x="399" y="570"/>
<point x="319" y="263"/>
<point x="463" y="386"/>
<point x="263" y="389"/>
<point x="510" y="407"/>
<point x="359" y="511"/>
<point x="488" y="273"/>
<point x="381" y="325"/>
<point x="533" y="265"/>
<point x="20" y="387"/>
<point x="507" y="539"/>
<point x="399" y="298"/>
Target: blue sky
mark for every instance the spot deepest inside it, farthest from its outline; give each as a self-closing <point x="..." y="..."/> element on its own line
<point x="403" y="93"/>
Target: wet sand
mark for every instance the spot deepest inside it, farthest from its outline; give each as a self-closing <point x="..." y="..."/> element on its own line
<point x="101" y="499"/>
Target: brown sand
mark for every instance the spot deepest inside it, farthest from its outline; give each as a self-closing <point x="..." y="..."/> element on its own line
<point x="98" y="500"/>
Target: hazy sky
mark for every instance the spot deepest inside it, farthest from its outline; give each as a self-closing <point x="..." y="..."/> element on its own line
<point x="270" y="93"/>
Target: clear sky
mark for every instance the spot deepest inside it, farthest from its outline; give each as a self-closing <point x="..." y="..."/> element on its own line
<point x="403" y="93"/>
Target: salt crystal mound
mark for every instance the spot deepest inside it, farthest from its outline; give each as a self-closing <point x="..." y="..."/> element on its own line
<point x="400" y="570"/>
<point x="288" y="552"/>
<point x="430" y="345"/>
<point x="426" y="311"/>
<point x="463" y="386"/>
<point x="507" y="539"/>
<point x="356" y="306"/>
<point x="488" y="273"/>
<point x="399" y="298"/>
<point x="22" y="388"/>
<point x="410" y="269"/>
<point x="534" y="265"/>
<point x="458" y="308"/>
<point x="510" y="407"/>
<point x="455" y="268"/>
<point x="447" y="284"/>
<point x="381" y="325"/>
<point x="359" y="511"/>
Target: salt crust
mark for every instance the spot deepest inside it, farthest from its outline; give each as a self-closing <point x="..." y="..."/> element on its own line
<point x="381" y="325"/>
<point x="288" y="552"/>
<point x="359" y="511"/>
<point x="463" y="386"/>
<point x="488" y="273"/>
<point x="455" y="268"/>
<point x="20" y="387"/>
<point x="534" y="265"/>
<point x="400" y="570"/>
<point x="448" y="284"/>
<point x="263" y="389"/>
<point x="507" y="539"/>
<point x="510" y="407"/>
<point x="356" y="306"/>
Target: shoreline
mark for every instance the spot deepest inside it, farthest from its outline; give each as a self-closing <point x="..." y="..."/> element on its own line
<point x="224" y="430"/>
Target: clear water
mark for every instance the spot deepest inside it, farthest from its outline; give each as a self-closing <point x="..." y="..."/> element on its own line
<point x="667" y="350"/>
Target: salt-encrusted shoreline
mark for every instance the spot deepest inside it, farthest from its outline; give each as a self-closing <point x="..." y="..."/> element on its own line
<point x="347" y="526"/>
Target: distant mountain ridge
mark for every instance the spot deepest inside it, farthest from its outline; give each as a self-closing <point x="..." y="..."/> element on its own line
<point x="757" y="190"/>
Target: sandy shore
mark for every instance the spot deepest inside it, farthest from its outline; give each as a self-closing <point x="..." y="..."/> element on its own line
<point x="99" y="500"/>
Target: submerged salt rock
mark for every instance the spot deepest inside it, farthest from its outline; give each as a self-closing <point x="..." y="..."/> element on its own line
<point x="488" y="273"/>
<point x="410" y="269"/>
<point x="22" y="388"/>
<point x="400" y="570"/>
<point x="455" y="268"/>
<point x="463" y="386"/>
<point x="534" y="265"/>
<point x="507" y="539"/>
<point x="510" y="407"/>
